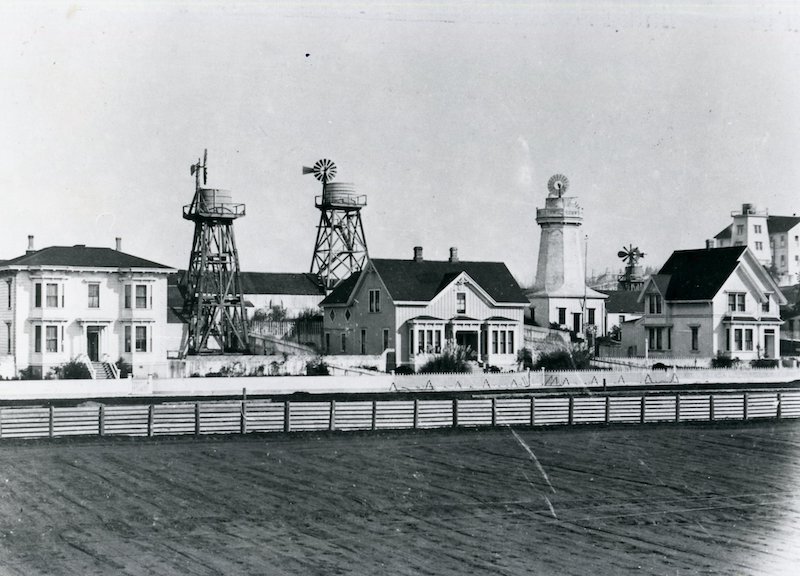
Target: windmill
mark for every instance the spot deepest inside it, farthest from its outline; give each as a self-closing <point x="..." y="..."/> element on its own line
<point x="632" y="279"/>
<point x="212" y="288"/>
<point x="341" y="247"/>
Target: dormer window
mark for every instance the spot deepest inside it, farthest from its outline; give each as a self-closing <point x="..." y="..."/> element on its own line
<point x="736" y="302"/>
<point x="765" y="305"/>
<point x="654" y="303"/>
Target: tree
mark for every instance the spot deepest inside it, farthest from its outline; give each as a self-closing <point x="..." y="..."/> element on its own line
<point x="73" y="370"/>
<point x="452" y="359"/>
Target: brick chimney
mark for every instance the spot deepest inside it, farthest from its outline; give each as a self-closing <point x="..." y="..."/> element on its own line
<point x="417" y="253"/>
<point x="453" y="254"/>
<point x="119" y="244"/>
<point x="711" y="243"/>
<point x="30" y="249"/>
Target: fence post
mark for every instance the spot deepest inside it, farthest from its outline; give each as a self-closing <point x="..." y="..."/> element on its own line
<point x="711" y="407"/>
<point x="415" y="423"/>
<point x="1" y="422"/>
<point x="50" y="422"/>
<point x="101" y="421"/>
<point x="542" y="377"/>
<point x="455" y="412"/>
<point x="374" y="414"/>
<point x="744" y="405"/>
<point x="494" y="412"/>
<point x="332" y="416"/>
<point x="677" y="407"/>
<point x="197" y="418"/>
<point x="533" y="411"/>
<point x="243" y="418"/>
<point x="642" y="409"/>
<point x="287" y="426"/>
<point x="150" y="410"/>
<point x="608" y="408"/>
<point x="780" y="406"/>
<point x="571" y="416"/>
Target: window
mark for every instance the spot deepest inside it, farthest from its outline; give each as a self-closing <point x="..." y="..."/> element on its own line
<point x="748" y="339"/>
<point x="327" y="341"/>
<point x="737" y="339"/>
<point x="654" y="303"/>
<point x="128" y="297"/>
<point x="783" y="259"/>
<point x="494" y="342"/>
<point x="740" y="229"/>
<point x="51" y="335"/>
<point x="621" y="318"/>
<point x="141" y="296"/>
<point x="765" y="305"/>
<point x="429" y="342"/>
<point x="37" y="295"/>
<point x="659" y="338"/>
<point x="461" y="303"/>
<point x="757" y="230"/>
<point x="363" y="340"/>
<point x="9" y="349"/>
<point x="385" y="338"/>
<point x="695" y="338"/>
<point x="728" y="339"/>
<point x="783" y="239"/>
<point x="127" y="338"/>
<point x="510" y="341"/>
<point x="141" y="338"/>
<point x="374" y="300"/>
<point x="94" y="295"/>
<point x="591" y="316"/>
<point x="332" y="315"/>
<point x="37" y="338"/>
<point x="562" y="316"/>
<point x="437" y="346"/>
<point x="736" y="302"/>
<point x="347" y="314"/>
<point x="344" y="342"/>
<point x="502" y="341"/>
<point x="759" y="245"/>
<point x="52" y="295"/>
<point x="8" y="283"/>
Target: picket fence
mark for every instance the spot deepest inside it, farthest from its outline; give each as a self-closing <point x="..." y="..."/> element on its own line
<point x="249" y="416"/>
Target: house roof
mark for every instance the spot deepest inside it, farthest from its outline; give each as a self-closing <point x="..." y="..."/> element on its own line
<point x="698" y="274"/>
<point x="81" y="255"/>
<point x="726" y="233"/>
<point x="412" y="281"/>
<point x="778" y="224"/>
<point x="305" y="284"/>
<point x="623" y="302"/>
<point x="175" y="305"/>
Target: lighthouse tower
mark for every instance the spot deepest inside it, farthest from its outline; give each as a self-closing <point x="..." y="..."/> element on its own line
<point x="560" y="294"/>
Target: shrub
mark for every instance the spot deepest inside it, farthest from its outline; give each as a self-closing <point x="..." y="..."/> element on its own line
<point x="525" y="358"/>
<point x="124" y="368"/>
<point x="575" y="359"/>
<point x="722" y="360"/>
<point x="72" y="370"/>
<point x="308" y="314"/>
<point x="765" y="363"/>
<point x="452" y="359"/>
<point x="404" y="369"/>
<point x="316" y="367"/>
<point x="29" y="373"/>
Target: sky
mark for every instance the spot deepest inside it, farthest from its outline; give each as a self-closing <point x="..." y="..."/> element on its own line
<point x="450" y="117"/>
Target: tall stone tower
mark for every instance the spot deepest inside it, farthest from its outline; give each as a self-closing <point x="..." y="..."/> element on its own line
<point x="560" y="294"/>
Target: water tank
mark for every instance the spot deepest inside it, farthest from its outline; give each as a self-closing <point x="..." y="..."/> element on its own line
<point x="341" y="194"/>
<point x="214" y="197"/>
<point x="748" y="208"/>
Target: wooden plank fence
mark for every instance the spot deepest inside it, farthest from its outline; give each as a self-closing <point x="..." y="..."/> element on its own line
<point x="247" y="416"/>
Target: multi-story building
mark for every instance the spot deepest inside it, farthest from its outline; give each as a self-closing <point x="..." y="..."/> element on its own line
<point x="774" y="240"/>
<point x="97" y="305"/>
<point x="708" y="301"/>
<point x="417" y="307"/>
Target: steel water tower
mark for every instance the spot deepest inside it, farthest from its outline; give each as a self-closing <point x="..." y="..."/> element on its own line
<point x="341" y="247"/>
<point x="212" y="287"/>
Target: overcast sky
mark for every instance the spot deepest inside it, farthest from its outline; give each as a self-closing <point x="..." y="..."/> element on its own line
<point x="450" y="117"/>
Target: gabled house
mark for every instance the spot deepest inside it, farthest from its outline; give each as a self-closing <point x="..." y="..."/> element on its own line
<point x="417" y="307"/>
<point x="97" y="304"/>
<point x="707" y="301"/>
<point x="790" y="314"/>
<point x="622" y="306"/>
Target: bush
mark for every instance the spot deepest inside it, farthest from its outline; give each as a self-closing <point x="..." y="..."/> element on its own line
<point x="404" y="369"/>
<point x="72" y="370"/>
<point x="525" y="358"/>
<point x="576" y="359"/>
<point x="310" y="314"/>
<point x="29" y="373"/>
<point x="722" y="360"/>
<point x="124" y="368"/>
<point x="316" y="367"/>
<point x="452" y="359"/>
<point x="765" y="363"/>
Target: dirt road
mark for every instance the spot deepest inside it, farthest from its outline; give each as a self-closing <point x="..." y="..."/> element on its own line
<point x="644" y="500"/>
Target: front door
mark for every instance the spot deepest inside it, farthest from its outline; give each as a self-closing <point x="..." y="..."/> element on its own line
<point x="93" y="343"/>
<point x="576" y="322"/>
<point x="468" y="340"/>
<point x="769" y="343"/>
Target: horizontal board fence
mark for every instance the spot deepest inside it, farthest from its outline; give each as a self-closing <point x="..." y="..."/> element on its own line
<point x="247" y="416"/>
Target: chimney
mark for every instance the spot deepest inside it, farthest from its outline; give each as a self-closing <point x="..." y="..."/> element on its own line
<point x="417" y="253"/>
<point x="31" y="249"/>
<point x="453" y="254"/>
<point x="711" y="243"/>
<point x="119" y="244"/>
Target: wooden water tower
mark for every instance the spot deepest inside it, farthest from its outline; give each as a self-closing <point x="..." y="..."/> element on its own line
<point x="341" y="247"/>
<point x="212" y="288"/>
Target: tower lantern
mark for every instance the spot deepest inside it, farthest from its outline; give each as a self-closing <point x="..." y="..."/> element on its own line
<point x="341" y="247"/>
<point x="212" y="287"/>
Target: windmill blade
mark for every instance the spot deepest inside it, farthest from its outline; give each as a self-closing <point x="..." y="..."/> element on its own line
<point x="622" y="254"/>
<point x="205" y="169"/>
<point x="307" y="170"/>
